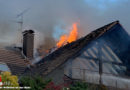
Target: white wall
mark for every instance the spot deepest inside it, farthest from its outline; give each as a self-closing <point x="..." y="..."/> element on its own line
<point x="86" y="66"/>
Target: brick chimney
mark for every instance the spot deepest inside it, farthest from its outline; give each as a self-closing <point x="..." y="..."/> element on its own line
<point x="28" y="43"/>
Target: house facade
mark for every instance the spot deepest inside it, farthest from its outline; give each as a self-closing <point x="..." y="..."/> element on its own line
<point x="104" y="60"/>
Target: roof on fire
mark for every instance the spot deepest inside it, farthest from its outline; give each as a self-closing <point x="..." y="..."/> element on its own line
<point x="61" y="55"/>
<point x="12" y="60"/>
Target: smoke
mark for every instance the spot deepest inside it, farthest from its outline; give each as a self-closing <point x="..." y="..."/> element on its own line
<point x="52" y="18"/>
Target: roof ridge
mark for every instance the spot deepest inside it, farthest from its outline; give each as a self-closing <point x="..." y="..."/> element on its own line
<point x="103" y="29"/>
<point x="112" y="24"/>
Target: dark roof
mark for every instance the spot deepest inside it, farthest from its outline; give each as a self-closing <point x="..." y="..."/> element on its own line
<point x="61" y="55"/>
<point x="14" y="60"/>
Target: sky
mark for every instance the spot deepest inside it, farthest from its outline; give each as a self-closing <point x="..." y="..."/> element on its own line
<point x="52" y="18"/>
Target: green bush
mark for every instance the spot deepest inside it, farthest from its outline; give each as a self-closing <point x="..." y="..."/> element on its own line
<point x="86" y="86"/>
<point x="79" y="86"/>
<point x="36" y="82"/>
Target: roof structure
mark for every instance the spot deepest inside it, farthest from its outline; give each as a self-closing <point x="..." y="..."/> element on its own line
<point x="14" y="60"/>
<point x="61" y="55"/>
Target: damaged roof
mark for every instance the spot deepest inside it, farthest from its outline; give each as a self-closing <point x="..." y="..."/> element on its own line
<point x="61" y="55"/>
<point x="13" y="59"/>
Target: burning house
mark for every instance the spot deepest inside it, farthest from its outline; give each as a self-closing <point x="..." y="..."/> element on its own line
<point x="101" y="57"/>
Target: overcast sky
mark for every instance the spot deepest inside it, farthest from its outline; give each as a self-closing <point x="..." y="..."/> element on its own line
<point x="51" y="18"/>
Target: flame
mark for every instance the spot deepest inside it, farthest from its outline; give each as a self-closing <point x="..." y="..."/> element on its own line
<point x="73" y="35"/>
<point x="62" y="41"/>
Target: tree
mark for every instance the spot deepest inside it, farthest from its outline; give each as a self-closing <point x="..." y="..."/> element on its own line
<point x="9" y="80"/>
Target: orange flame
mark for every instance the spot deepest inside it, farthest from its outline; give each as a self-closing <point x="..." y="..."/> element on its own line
<point x="62" y="41"/>
<point x="73" y="35"/>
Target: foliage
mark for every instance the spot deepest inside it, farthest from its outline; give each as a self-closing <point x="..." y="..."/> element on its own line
<point x="36" y="82"/>
<point x="85" y="86"/>
<point x="52" y="86"/>
<point x="9" y="80"/>
<point x="79" y="86"/>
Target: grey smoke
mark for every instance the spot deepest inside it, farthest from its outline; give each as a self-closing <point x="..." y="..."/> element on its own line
<point x="44" y="15"/>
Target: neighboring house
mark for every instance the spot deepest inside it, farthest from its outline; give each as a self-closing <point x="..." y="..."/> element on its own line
<point x="16" y="59"/>
<point x="101" y="57"/>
